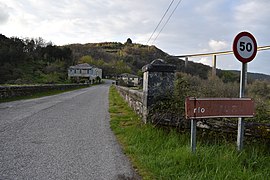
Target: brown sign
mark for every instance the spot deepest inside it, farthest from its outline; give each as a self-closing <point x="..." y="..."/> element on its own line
<point x="219" y="107"/>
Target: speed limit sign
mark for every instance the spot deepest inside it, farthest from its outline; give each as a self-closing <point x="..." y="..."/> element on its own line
<point x="245" y="50"/>
<point x="245" y="47"/>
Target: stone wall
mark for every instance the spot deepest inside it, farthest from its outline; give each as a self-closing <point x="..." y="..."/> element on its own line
<point x="134" y="98"/>
<point x="16" y="91"/>
<point x="157" y="82"/>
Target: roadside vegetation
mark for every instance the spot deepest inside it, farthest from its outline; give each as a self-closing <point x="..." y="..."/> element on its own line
<point x="187" y="85"/>
<point x="164" y="153"/>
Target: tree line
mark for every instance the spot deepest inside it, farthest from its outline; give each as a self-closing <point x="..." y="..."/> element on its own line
<point x="29" y="60"/>
<point x="33" y="60"/>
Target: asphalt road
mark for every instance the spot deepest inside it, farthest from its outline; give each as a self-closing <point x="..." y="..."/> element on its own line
<point x="64" y="136"/>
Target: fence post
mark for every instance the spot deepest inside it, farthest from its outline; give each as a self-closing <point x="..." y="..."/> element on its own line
<point x="214" y="67"/>
<point x="186" y="62"/>
<point x="158" y="80"/>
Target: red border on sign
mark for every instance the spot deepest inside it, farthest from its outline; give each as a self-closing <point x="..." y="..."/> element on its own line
<point x="237" y="55"/>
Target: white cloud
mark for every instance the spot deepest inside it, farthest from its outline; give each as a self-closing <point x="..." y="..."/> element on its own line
<point x="195" y="27"/>
<point x="205" y="60"/>
<point x="4" y="15"/>
<point x="217" y="45"/>
<point x="251" y="11"/>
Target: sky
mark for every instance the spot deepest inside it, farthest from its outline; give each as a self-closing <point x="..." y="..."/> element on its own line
<point x="196" y="26"/>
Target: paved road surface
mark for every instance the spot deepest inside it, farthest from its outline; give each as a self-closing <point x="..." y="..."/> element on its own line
<point x="63" y="136"/>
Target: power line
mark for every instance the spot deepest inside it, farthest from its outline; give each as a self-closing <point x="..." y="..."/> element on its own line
<point x="167" y="20"/>
<point x="160" y="21"/>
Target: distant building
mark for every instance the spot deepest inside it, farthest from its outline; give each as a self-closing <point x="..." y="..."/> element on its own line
<point x="129" y="79"/>
<point x="84" y="72"/>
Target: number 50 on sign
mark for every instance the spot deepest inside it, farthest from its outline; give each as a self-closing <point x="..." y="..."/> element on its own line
<point x="245" y="47"/>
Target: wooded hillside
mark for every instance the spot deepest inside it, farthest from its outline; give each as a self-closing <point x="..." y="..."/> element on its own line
<point x="28" y="61"/>
<point x="116" y="58"/>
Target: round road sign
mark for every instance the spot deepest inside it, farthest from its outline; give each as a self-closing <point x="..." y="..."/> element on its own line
<point x="245" y="47"/>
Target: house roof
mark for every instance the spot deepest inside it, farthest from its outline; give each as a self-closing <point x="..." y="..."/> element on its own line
<point x="128" y="75"/>
<point x="82" y="66"/>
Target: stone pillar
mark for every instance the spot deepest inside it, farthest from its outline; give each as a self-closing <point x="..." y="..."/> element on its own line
<point x="158" y="81"/>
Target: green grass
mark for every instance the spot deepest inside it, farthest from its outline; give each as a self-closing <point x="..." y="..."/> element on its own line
<point x="157" y="153"/>
<point x="39" y="94"/>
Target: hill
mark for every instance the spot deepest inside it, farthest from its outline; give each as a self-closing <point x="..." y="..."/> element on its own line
<point x="130" y="57"/>
<point x="255" y="76"/>
<point x="27" y="61"/>
<point x="110" y="55"/>
<point x="116" y="58"/>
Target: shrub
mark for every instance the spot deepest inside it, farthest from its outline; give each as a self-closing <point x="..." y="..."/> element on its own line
<point x="171" y="108"/>
<point x="259" y="89"/>
<point x="260" y="92"/>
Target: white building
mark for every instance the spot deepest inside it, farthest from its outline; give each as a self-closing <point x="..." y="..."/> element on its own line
<point x="84" y="71"/>
<point x="130" y="79"/>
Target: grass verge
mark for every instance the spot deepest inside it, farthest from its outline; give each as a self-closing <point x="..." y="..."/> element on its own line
<point x="165" y="154"/>
<point x="39" y="94"/>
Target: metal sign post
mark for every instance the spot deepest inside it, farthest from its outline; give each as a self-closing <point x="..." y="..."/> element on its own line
<point x="245" y="50"/>
<point x="202" y="108"/>
<point x="240" y="132"/>
<point x="193" y="135"/>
